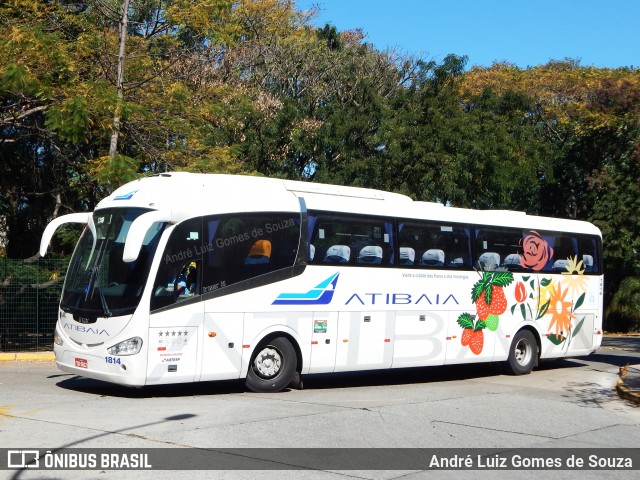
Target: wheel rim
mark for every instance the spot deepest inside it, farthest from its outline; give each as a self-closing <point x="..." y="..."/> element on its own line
<point x="268" y="362"/>
<point x="523" y="352"/>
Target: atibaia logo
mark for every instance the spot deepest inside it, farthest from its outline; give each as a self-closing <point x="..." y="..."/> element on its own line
<point x="321" y="294"/>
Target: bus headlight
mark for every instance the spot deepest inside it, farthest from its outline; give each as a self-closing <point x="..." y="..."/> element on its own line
<point x="57" y="339"/>
<point x="128" y="347"/>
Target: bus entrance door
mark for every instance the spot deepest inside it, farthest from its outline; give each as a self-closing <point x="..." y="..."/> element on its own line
<point x="173" y="345"/>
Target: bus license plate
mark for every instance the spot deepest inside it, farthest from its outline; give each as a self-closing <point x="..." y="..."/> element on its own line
<point x="81" y="363"/>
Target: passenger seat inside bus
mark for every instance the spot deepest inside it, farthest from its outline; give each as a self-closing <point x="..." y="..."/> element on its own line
<point x="489" y="261"/>
<point x="512" y="261"/>
<point x="407" y="256"/>
<point x="457" y="262"/>
<point x="587" y="261"/>
<point x="371" y="254"/>
<point x="560" y="265"/>
<point x="433" y="258"/>
<point x="260" y="253"/>
<point x="338" y="254"/>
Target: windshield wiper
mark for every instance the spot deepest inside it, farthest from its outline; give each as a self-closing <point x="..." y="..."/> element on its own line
<point x="95" y="282"/>
<point x="103" y="300"/>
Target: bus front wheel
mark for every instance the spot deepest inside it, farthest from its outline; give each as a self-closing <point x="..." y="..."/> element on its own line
<point x="523" y="353"/>
<point x="273" y="366"/>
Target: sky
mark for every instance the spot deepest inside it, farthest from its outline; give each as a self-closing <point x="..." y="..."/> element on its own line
<point x="600" y="33"/>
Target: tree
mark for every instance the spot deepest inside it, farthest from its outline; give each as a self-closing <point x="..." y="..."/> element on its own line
<point x="38" y="87"/>
<point x="482" y="152"/>
<point x="75" y="123"/>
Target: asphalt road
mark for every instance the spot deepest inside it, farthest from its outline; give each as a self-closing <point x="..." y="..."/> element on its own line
<point x="567" y="403"/>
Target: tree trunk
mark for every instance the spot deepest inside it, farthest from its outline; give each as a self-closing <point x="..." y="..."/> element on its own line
<point x="122" y="33"/>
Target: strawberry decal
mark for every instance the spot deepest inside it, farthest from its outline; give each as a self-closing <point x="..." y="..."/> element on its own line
<point x="477" y="342"/>
<point x="472" y="334"/>
<point x="488" y="295"/>
<point x="491" y="302"/>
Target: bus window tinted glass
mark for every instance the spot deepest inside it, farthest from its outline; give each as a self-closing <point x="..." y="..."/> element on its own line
<point x="243" y="246"/>
<point x="575" y="254"/>
<point x="362" y="241"/>
<point x="498" y="249"/>
<point x="424" y="244"/>
<point x="178" y="276"/>
<point x="535" y="251"/>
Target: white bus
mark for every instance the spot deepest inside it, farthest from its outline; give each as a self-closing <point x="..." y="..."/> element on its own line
<point x="185" y="277"/>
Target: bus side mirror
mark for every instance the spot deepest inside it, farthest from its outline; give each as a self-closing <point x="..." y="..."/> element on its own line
<point x="138" y="230"/>
<point x="56" y="223"/>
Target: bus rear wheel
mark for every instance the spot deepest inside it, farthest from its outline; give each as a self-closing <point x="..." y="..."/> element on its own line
<point x="523" y="353"/>
<point x="272" y="367"/>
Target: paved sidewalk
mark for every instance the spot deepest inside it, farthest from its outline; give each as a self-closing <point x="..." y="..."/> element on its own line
<point x="27" y="357"/>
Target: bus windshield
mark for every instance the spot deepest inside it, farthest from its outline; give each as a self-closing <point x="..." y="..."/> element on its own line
<point x="99" y="283"/>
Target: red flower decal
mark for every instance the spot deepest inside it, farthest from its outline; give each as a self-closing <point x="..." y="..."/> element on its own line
<point x="536" y="251"/>
<point x="521" y="293"/>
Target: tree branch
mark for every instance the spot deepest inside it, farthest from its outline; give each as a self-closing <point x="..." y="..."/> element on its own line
<point x="24" y="113"/>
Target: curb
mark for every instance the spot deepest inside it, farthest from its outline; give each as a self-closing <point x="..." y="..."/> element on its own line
<point x="622" y="389"/>
<point x="27" y="357"/>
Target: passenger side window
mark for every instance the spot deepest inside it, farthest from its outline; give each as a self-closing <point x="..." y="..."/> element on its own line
<point x="575" y="254"/>
<point x="536" y="251"/>
<point x="178" y="276"/>
<point x="350" y="240"/>
<point x="589" y="254"/>
<point x="426" y="244"/>
<point x="498" y="249"/>
<point x="244" y="246"/>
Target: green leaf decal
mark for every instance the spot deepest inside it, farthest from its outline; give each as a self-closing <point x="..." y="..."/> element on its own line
<point x="465" y="321"/>
<point x="556" y="339"/>
<point x="543" y="310"/>
<point x="526" y="279"/>
<point x="578" y="327"/>
<point x="532" y="283"/>
<point x="502" y="279"/>
<point x="523" y="311"/>
<point x="545" y="282"/>
<point x="513" y="308"/>
<point x="487" y="295"/>
<point x="477" y="290"/>
<point x="579" y="302"/>
<point x="480" y="325"/>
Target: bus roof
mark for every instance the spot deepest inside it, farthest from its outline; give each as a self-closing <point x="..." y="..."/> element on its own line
<point x="191" y="194"/>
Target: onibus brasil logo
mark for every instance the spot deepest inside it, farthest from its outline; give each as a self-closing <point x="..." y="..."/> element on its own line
<point x="321" y="294"/>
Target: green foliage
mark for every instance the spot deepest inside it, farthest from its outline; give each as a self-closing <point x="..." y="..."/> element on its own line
<point x="623" y="314"/>
<point x="70" y="120"/>
<point x="114" y="171"/>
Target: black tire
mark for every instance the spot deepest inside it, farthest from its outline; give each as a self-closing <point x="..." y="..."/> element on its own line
<point x="523" y="354"/>
<point x="273" y="366"/>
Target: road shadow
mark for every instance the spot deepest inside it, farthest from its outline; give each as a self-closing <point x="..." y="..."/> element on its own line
<point x="404" y="376"/>
<point x="106" y="389"/>
<point x="590" y="394"/>
<point x="618" y="360"/>
<point x="629" y="343"/>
